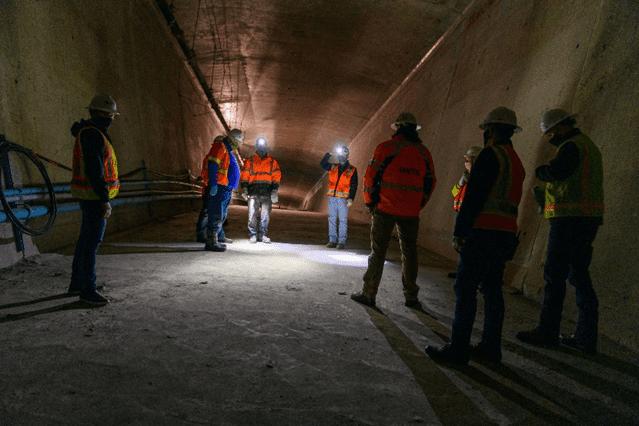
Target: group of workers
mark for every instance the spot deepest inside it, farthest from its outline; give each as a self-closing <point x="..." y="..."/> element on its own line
<point x="398" y="183"/>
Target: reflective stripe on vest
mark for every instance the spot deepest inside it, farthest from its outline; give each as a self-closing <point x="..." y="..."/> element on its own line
<point x="81" y="187"/>
<point x="339" y="185"/>
<point x="218" y="154"/>
<point x="581" y="194"/>
<point x="499" y="212"/>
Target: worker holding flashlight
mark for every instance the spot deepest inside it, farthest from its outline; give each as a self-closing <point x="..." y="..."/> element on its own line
<point x="342" y="187"/>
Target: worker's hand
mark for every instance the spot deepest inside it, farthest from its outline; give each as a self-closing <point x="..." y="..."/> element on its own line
<point x="274" y="197"/>
<point x="458" y="243"/>
<point x="213" y="190"/>
<point x="349" y="202"/>
<point x="244" y="195"/>
<point x="106" y="210"/>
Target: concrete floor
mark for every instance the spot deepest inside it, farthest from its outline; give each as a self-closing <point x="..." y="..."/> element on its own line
<point x="266" y="334"/>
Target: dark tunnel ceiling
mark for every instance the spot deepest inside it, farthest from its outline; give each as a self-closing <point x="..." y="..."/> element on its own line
<point x="307" y="73"/>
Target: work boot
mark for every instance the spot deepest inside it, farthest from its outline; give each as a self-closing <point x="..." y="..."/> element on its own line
<point x="253" y="239"/>
<point x="413" y="304"/>
<point x="341" y="246"/>
<point x="212" y="244"/>
<point x="266" y="240"/>
<point x="573" y="342"/>
<point x="447" y="355"/>
<point x="363" y="299"/>
<point x="331" y="244"/>
<point x="94" y="299"/>
<point x="537" y="338"/>
<point x="481" y="353"/>
<point x="226" y="240"/>
<point x="75" y="291"/>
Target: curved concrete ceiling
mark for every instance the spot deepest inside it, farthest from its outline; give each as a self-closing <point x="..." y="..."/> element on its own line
<point x="308" y="73"/>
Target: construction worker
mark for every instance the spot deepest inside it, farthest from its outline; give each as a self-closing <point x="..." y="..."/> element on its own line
<point x="574" y="206"/>
<point x="485" y="236"/>
<point x="95" y="183"/>
<point x="397" y="184"/>
<point x="459" y="189"/>
<point x="223" y="165"/>
<point x="203" y="179"/>
<point x="342" y="187"/>
<point x="260" y="182"/>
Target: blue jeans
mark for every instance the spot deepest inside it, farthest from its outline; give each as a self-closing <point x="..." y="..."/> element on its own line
<point x="259" y="205"/>
<point x="569" y="256"/>
<point x="91" y="234"/>
<point x="482" y="260"/>
<point x="218" y="206"/>
<point x="337" y="209"/>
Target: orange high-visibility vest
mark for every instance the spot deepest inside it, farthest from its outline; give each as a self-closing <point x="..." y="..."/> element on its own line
<point x="403" y="166"/>
<point x="339" y="185"/>
<point x="458" y="196"/>
<point x="217" y="154"/>
<point x="81" y="187"/>
<point x="499" y="212"/>
<point x="261" y="170"/>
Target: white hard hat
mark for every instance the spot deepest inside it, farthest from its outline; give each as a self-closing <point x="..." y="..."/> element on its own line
<point x="104" y="103"/>
<point x="237" y="135"/>
<point x="501" y="115"/>
<point x="405" y="118"/>
<point x="473" y="151"/>
<point x="551" y="117"/>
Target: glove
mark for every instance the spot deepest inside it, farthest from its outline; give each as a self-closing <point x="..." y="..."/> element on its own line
<point x="213" y="190"/>
<point x="244" y="195"/>
<point x="106" y="210"/>
<point x="274" y="198"/>
<point x="349" y="202"/>
<point x="458" y="243"/>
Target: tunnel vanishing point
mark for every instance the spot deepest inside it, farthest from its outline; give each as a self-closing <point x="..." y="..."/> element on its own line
<point x="266" y="334"/>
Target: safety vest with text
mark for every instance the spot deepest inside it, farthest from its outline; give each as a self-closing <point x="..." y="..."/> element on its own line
<point x="339" y="184"/>
<point x="81" y="187"/>
<point x="395" y="177"/>
<point x="500" y="209"/>
<point x="581" y="194"/>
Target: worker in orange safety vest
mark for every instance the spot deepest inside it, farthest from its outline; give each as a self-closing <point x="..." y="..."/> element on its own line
<point x="260" y="182"/>
<point x="342" y="187"/>
<point x="398" y="183"/>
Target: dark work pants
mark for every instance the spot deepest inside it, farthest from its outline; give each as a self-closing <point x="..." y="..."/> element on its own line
<point x="91" y="233"/>
<point x="259" y="205"/>
<point x="482" y="260"/>
<point x="218" y="206"/>
<point x="203" y="218"/>
<point x="568" y="258"/>
<point x="381" y="230"/>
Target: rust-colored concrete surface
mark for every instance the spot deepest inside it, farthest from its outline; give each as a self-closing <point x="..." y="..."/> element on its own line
<point x="531" y="56"/>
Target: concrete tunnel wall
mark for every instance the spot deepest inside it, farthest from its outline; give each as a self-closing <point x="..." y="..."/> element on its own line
<point x="54" y="56"/>
<point x="529" y="56"/>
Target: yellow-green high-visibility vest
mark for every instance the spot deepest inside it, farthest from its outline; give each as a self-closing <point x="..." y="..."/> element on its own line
<point x="581" y="194"/>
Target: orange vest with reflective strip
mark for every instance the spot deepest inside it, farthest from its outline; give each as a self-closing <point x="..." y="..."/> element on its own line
<point x="81" y="187"/>
<point x="217" y="154"/>
<point x="458" y="196"/>
<point x="499" y="212"/>
<point x="261" y="170"/>
<point x="339" y="186"/>
<point x="404" y="166"/>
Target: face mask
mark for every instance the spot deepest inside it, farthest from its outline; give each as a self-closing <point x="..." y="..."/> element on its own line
<point x="102" y="122"/>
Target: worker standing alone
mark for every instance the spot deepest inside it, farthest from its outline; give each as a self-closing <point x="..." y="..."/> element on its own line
<point x="342" y="187"/>
<point x="397" y="184"/>
<point x="260" y="182"/>
<point x="95" y="183"/>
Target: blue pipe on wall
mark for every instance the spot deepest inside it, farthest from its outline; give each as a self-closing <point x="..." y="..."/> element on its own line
<point x="65" y="188"/>
<point x="39" y="211"/>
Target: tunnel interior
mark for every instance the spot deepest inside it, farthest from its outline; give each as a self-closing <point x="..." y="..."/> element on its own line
<point x="307" y="75"/>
